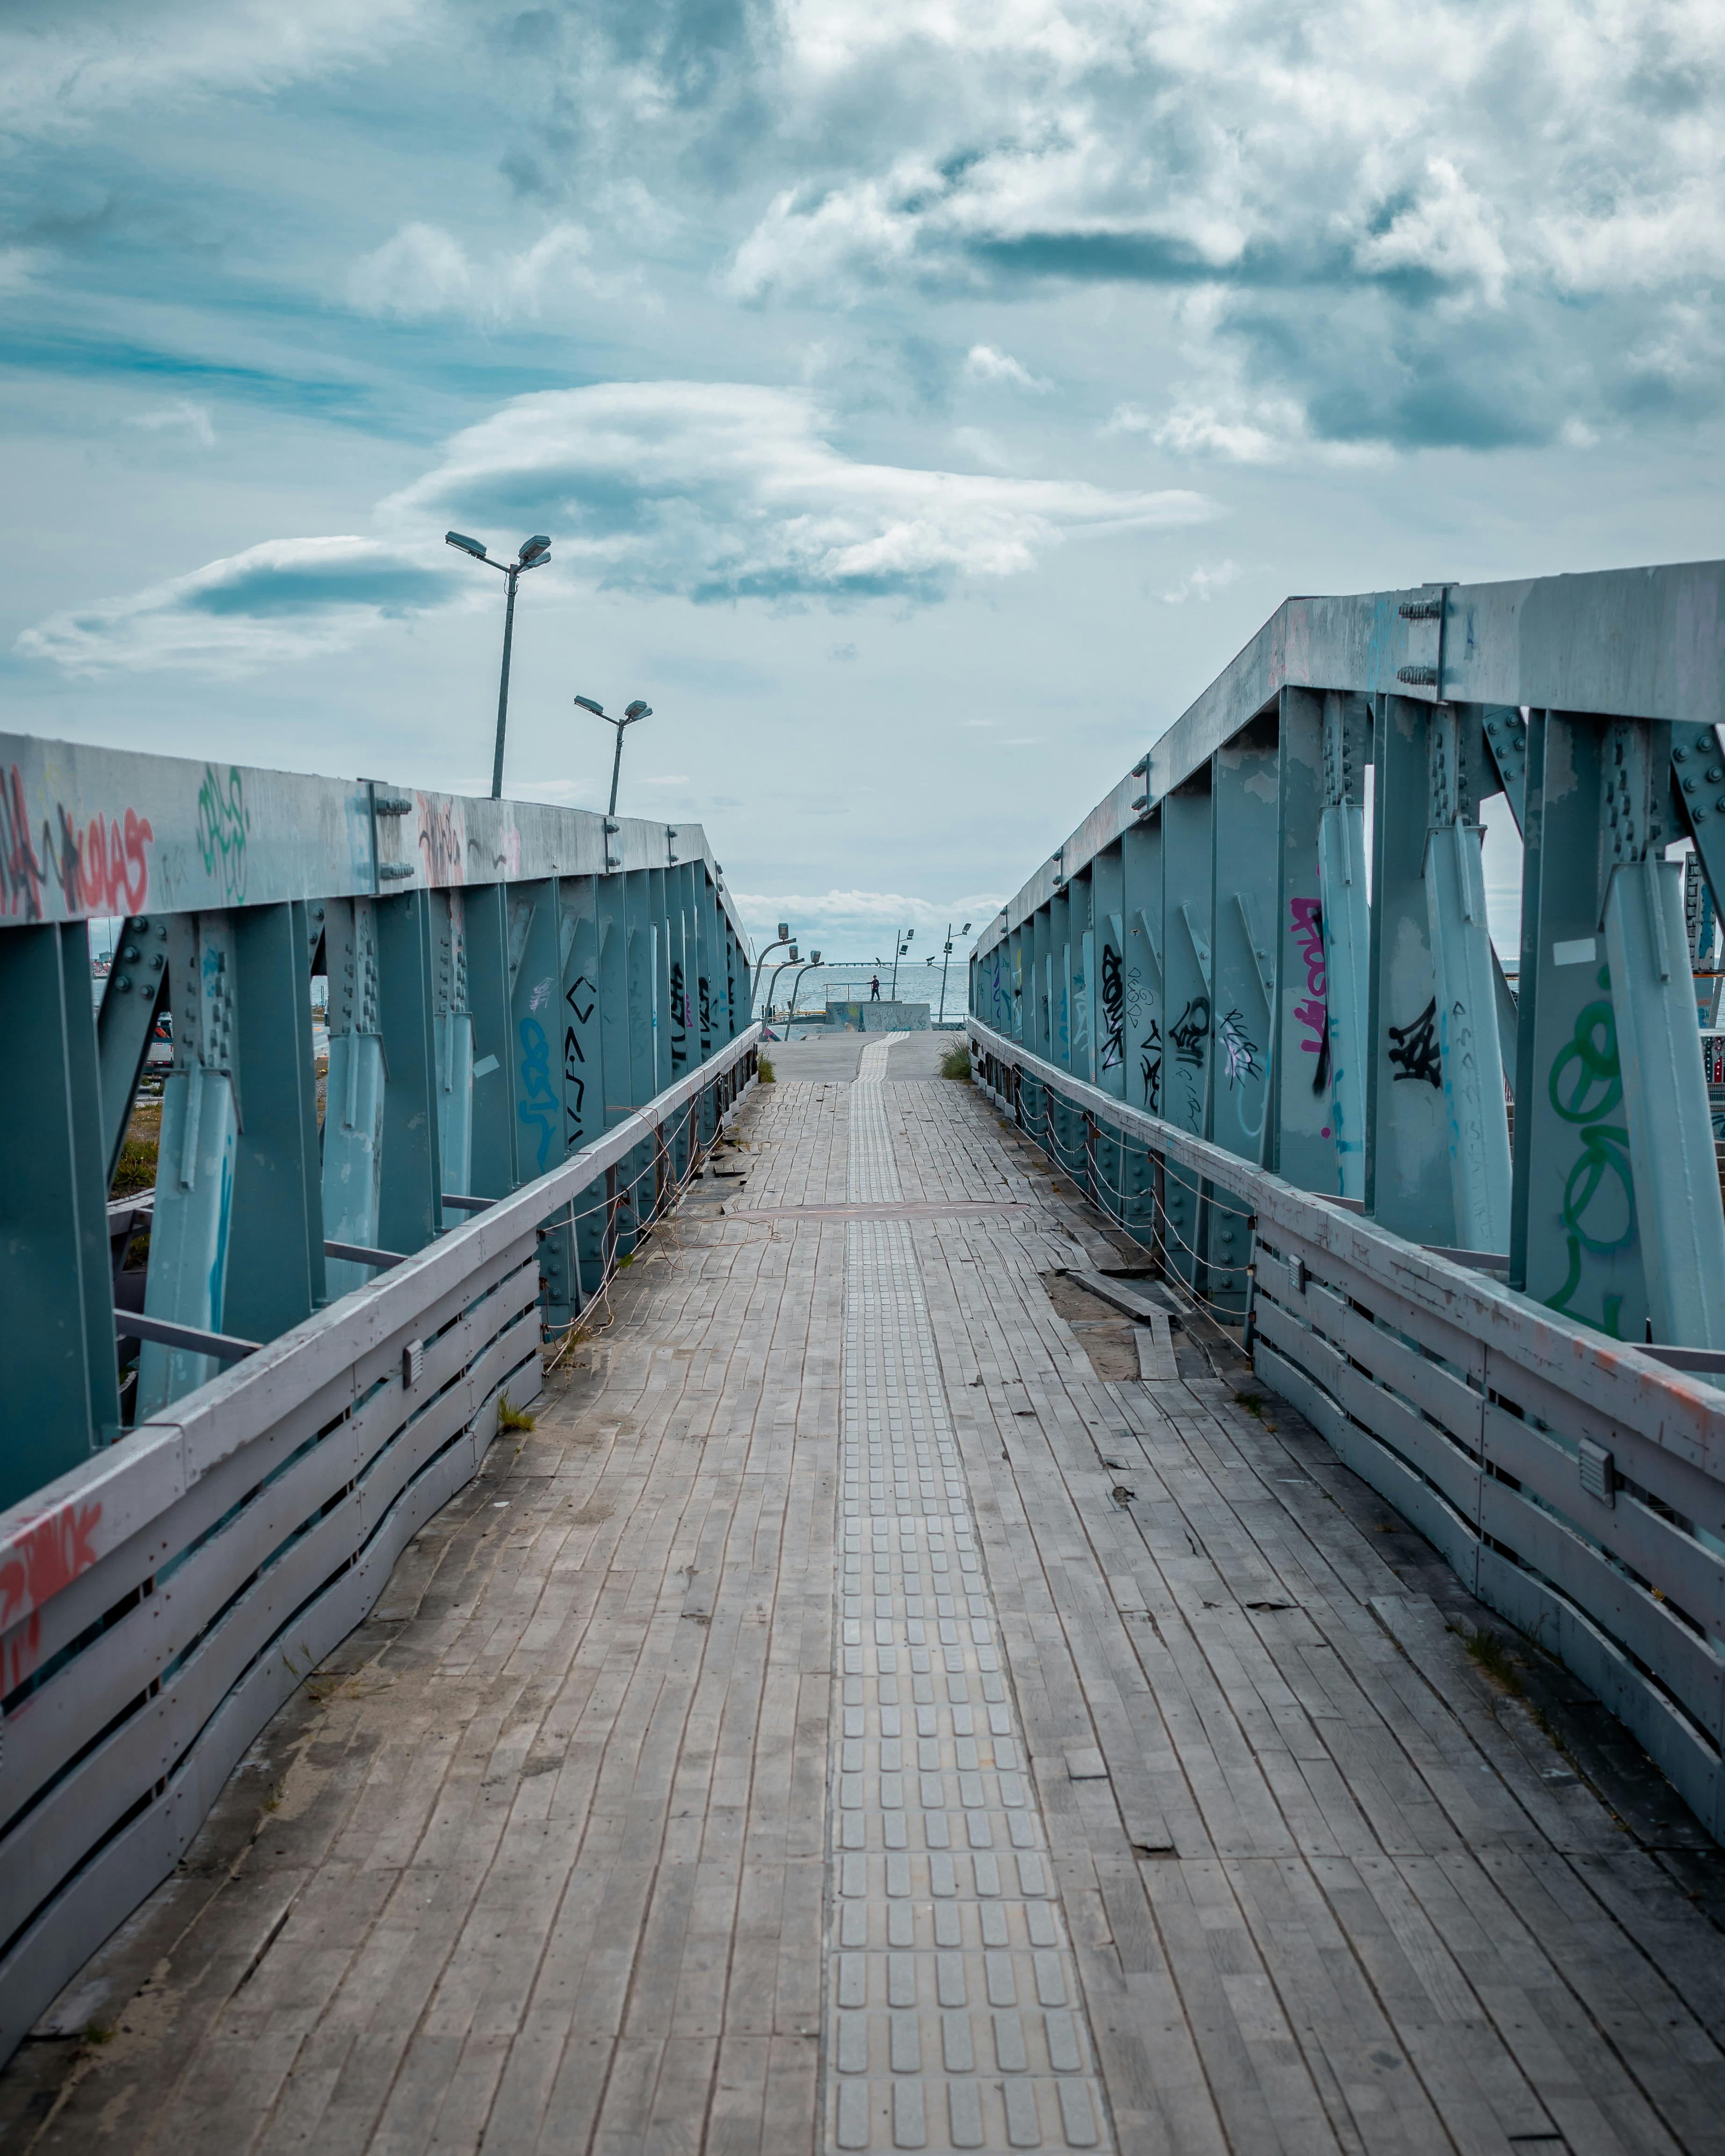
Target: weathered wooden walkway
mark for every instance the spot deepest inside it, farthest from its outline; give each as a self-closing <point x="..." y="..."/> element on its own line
<point x="802" y="1742"/>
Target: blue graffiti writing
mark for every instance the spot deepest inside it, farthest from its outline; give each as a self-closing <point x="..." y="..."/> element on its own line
<point x="538" y="1106"/>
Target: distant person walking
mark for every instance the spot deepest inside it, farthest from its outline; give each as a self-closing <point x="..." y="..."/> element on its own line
<point x="875" y="989"/>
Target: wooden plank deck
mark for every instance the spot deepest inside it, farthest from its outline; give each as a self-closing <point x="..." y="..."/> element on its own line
<point x="553" y="1854"/>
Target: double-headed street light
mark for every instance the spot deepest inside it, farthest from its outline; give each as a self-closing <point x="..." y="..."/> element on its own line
<point x="534" y="552"/>
<point x="636" y="710"/>
<point x="901" y="944"/>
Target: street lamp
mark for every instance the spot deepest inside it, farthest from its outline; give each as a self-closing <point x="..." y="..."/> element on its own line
<point x="772" y="985"/>
<point x="637" y="710"/>
<point x="813" y="960"/>
<point x="783" y="937"/>
<point x="901" y="944"/>
<point x="534" y="552"/>
<point x="945" y="956"/>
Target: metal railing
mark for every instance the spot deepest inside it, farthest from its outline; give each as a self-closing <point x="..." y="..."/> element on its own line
<point x="1575" y="1484"/>
<point x="161" y="1600"/>
<point x="1272" y="938"/>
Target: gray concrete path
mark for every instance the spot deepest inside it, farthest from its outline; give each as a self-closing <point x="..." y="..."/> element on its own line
<point x="850" y="1719"/>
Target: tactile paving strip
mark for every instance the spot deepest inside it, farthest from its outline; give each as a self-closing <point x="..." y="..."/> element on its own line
<point x="953" y="2020"/>
<point x="871" y="1173"/>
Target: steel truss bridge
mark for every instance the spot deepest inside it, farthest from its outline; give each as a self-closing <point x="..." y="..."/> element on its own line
<point x="537" y="1018"/>
<point x="1266" y="1028"/>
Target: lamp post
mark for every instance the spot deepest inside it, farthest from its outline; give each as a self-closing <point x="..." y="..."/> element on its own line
<point x="946" y="959"/>
<point x="636" y="710"/>
<point x="534" y="552"/>
<point x="813" y="960"/>
<point x="766" y="1011"/>
<point x="901" y="944"/>
<point x="783" y="937"/>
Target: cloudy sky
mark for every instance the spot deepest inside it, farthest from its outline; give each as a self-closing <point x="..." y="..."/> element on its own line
<point x="926" y="398"/>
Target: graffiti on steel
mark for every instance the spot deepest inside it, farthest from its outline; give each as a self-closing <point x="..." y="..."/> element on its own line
<point x="575" y="1059"/>
<point x="1415" y="1053"/>
<point x="1583" y="1085"/>
<point x="538" y="1106"/>
<point x="679" y="1015"/>
<point x="1314" y="1014"/>
<point x="1113" y="1008"/>
<point x="101" y="867"/>
<point x="440" y="840"/>
<point x="1150" y="1068"/>
<point x="222" y="823"/>
<point x="1239" y="1052"/>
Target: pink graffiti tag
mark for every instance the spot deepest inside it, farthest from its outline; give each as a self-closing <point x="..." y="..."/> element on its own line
<point x="46" y="1557"/>
<point x="1309" y="933"/>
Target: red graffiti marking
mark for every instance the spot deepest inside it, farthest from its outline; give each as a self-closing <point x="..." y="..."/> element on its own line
<point x="104" y="867"/>
<point x="47" y="1557"/>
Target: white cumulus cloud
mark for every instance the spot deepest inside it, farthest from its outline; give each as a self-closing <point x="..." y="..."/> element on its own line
<point x="283" y="599"/>
<point x="727" y="490"/>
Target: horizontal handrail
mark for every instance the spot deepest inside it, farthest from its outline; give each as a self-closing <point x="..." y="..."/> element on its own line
<point x="1576" y="1482"/>
<point x="161" y="1601"/>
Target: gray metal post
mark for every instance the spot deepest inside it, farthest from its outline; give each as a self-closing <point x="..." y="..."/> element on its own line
<point x="194" y="1174"/>
<point x="1575" y="1233"/>
<point x="1467" y="994"/>
<point x="1302" y="1136"/>
<point x="1245" y="810"/>
<point x="58" y="1375"/>
<point x="1186" y="875"/>
<point x="410" y="1193"/>
<point x="512" y="576"/>
<point x="276" y="1273"/>
<point x="1406" y="1182"/>
<point x="1670" y="1140"/>
<point x="353" y="1097"/>
<point x="452" y="1020"/>
<point x="1346" y="921"/>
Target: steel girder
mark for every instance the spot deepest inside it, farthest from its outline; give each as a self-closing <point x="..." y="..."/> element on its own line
<point x="497" y="1000"/>
<point x="1282" y="908"/>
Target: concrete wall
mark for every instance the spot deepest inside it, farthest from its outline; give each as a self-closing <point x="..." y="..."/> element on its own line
<point x="883" y="1017"/>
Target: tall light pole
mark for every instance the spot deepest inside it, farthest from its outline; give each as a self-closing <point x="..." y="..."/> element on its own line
<point x="783" y="937"/>
<point x="636" y="710"/>
<point x="766" y="1011"/>
<point x="901" y="944"/>
<point x="534" y="552"/>
<point x="813" y="960"/>
<point x="946" y="959"/>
